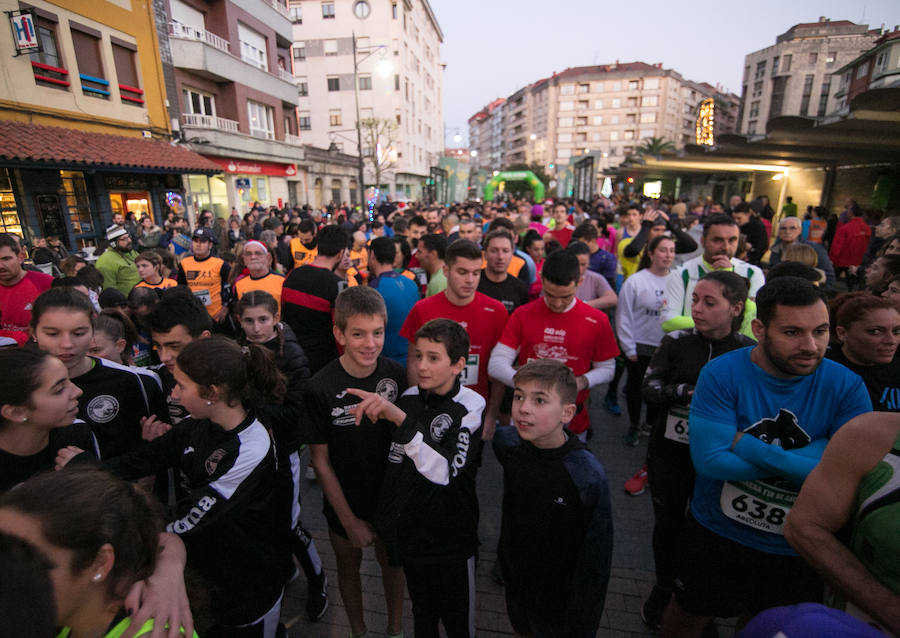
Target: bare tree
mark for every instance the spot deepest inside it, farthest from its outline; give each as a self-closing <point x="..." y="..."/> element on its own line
<point x="378" y="136"/>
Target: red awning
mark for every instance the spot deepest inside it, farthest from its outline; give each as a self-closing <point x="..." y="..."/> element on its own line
<point x="53" y="146"/>
<point x="253" y="167"/>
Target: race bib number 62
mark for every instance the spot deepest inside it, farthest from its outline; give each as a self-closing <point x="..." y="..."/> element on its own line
<point x="757" y="505"/>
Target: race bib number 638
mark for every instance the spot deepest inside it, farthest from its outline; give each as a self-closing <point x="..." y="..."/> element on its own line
<point x="757" y="505"/>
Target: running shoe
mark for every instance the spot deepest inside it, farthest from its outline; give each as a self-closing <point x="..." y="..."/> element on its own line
<point x="632" y="437"/>
<point x="646" y="429"/>
<point x="317" y="597"/>
<point x="653" y="608"/>
<point x="637" y="483"/>
<point x="612" y="405"/>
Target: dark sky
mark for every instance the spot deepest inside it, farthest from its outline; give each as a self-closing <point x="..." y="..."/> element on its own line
<point x="494" y="47"/>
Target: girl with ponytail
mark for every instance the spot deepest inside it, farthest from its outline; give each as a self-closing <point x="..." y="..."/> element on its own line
<point x="233" y="512"/>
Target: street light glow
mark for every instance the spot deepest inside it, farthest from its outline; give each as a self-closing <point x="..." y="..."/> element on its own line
<point x="457" y="138"/>
<point x="384" y="67"/>
<point x="473" y="153"/>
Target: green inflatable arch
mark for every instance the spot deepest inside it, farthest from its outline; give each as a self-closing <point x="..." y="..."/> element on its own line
<point x="537" y="186"/>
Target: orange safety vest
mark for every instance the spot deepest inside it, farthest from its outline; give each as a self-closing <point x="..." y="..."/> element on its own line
<point x="301" y="254"/>
<point x="165" y="283"/>
<point x="205" y="281"/>
<point x="271" y="283"/>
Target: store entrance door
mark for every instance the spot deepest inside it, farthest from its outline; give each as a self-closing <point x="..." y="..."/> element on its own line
<point x="137" y="202"/>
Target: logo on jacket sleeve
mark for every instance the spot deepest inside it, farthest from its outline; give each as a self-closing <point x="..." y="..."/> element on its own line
<point x="212" y="461"/>
<point x="439" y="426"/>
<point x="103" y="408"/>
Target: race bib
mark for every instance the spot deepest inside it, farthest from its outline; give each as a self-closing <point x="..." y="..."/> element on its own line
<point x="469" y="375"/>
<point x="757" y="505"/>
<point x="677" y="424"/>
<point x="204" y="296"/>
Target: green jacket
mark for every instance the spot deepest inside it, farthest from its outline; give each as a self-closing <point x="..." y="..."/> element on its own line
<point x="120" y="628"/>
<point x="119" y="270"/>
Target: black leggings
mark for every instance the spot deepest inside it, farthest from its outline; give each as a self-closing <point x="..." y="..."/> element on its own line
<point x="636" y="370"/>
<point x="442" y="593"/>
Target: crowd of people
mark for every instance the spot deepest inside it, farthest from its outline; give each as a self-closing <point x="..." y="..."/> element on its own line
<point x="158" y="397"/>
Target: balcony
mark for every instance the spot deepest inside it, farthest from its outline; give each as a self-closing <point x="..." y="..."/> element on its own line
<point x="209" y="134"/>
<point x="210" y="56"/>
<point x="273" y="14"/>
<point x="209" y="121"/>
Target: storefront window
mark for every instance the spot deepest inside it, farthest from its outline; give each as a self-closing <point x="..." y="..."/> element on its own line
<point x="9" y="214"/>
<point x="78" y="203"/>
<point x="135" y="202"/>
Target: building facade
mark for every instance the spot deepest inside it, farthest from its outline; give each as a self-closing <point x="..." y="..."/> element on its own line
<point x="604" y="112"/>
<point x="398" y="83"/>
<point x="795" y="76"/>
<point x="84" y="131"/>
<point x="232" y="98"/>
<point x="877" y="68"/>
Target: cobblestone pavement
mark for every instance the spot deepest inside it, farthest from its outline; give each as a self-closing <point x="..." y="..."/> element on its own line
<point x="632" y="573"/>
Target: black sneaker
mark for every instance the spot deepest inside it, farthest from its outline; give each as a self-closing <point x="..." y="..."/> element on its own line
<point x="654" y="606"/>
<point x="317" y="597"/>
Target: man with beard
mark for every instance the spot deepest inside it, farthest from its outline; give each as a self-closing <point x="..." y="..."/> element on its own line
<point x="719" y="241"/>
<point x="760" y="419"/>
<point x="117" y="262"/>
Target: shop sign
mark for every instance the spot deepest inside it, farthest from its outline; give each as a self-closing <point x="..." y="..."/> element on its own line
<point x="249" y="167"/>
<point x="24" y="32"/>
<point x="242" y="182"/>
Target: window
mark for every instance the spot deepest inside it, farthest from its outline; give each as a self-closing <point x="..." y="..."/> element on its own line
<point x="566" y="106"/>
<point x="651" y="83"/>
<point x="583" y="104"/>
<point x="813" y="58"/>
<point x="334" y="83"/>
<point x="760" y="70"/>
<point x="564" y="153"/>
<point x="331" y="47"/>
<point x="632" y="102"/>
<point x="775" y="62"/>
<point x="629" y="135"/>
<point x="616" y="103"/>
<point x="90" y="65"/>
<point x="861" y="70"/>
<point x="126" y="72"/>
<point x="304" y="122"/>
<point x="303" y="86"/>
<point x="614" y="119"/>
<point x="396" y="81"/>
<point x="47" y="65"/>
<point x="786" y="63"/>
<point x="567" y="89"/>
<point x="581" y="137"/>
<point x="365" y="82"/>
<point x="634" y="85"/>
<point x="584" y="88"/>
<point x="262" y="120"/>
<point x="581" y="121"/>
<point x="393" y="10"/>
<point x="334" y="117"/>
<point x="616" y="86"/>
<point x="644" y="133"/>
<point x="807" y="92"/>
<point x="253" y="47"/>
<point x="598" y="104"/>
<point x="881" y="61"/>
<point x="566" y="121"/>
<point x="328" y="11"/>
<point x="598" y="120"/>
<point x="757" y="88"/>
<point x="751" y="127"/>
<point x="823" y="96"/>
<point x="613" y="136"/>
<point x="779" y="86"/>
<point x="564" y="138"/>
<point x="831" y="57"/>
<point x="754" y="109"/>
<point x="650" y="100"/>
<point x="299" y="51"/>
<point x="199" y="103"/>
<point x="295" y="11"/>
<point x="596" y="137"/>
<point x="648" y="118"/>
<point x="630" y="118"/>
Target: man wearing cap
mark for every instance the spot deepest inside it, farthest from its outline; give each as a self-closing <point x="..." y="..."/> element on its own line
<point x="205" y="275"/>
<point x="117" y="261"/>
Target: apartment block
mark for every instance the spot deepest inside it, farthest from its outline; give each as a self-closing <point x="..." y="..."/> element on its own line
<point x="877" y="68"/>
<point x="233" y="99"/>
<point x="399" y="78"/>
<point x="795" y="76"/>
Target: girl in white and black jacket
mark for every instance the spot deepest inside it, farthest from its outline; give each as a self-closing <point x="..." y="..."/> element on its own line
<point x="233" y="510"/>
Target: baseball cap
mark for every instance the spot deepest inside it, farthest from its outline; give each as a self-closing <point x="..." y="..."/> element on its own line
<point x="114" y="232"/>
<point x="203" y="234"/>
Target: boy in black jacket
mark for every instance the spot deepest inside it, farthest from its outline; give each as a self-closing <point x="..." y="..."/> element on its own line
<point x="556" y="532"/>
<point x="428" y="510"/>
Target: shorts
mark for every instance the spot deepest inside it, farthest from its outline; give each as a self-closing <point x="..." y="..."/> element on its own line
<point x="722" y="578"/>
<point x="334" y="523"/>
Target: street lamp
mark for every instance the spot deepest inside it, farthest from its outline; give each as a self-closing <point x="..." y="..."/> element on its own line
<point x="369" y="51"/>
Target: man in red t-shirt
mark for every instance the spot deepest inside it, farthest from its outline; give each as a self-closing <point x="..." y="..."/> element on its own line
<point x="18" y="287"/>
<point x="562" y="229"/>
<point x="482" y="317"/>
<point x="559" y="326"/>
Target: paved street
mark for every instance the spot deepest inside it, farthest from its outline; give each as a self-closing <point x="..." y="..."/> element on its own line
<point x="632" y="574"/>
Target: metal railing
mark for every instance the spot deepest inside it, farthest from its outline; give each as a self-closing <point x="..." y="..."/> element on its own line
<point x="294" y="140"/>
<point x="209" y="121"/>
<point x="280" y="8"/>
<point x="186" y="32"/>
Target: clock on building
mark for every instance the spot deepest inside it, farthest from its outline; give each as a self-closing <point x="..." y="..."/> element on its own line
<point x="362" y="9"/>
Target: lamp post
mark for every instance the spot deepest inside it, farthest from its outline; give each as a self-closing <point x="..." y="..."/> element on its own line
<point x="361" y="167"/>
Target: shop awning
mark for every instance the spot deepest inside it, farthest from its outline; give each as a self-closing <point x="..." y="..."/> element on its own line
<point x="39" y="146"/>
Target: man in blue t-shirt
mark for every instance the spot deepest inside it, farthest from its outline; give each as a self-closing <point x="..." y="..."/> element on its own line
<point x="760" y="419"/>
<point x="400" y="295"/>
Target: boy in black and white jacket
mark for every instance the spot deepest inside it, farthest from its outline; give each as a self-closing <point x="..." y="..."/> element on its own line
<point x="428" y="510"/>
